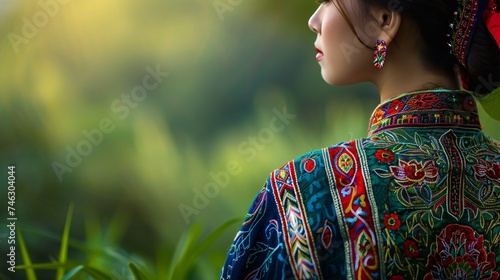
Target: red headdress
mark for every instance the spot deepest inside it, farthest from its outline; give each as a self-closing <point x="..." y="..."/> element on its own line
<point x="491" y="18"/>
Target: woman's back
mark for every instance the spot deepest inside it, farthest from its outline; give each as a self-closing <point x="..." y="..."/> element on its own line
<point x="417" y="199"/>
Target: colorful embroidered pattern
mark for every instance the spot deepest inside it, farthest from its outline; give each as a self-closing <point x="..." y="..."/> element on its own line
<point x="459" y="253"/>
<point x="350" y="193"/>
<point x="468" y="14"/>
<point x="247" y="255"/>
<point x="427" y="109"/>
<point x="417" y="199"/>
<point x="456" y="177"/>
<point x="298" y="238"/>
<point x="447" y="184"/>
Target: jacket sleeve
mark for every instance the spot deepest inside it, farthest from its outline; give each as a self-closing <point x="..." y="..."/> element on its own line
<point x="294" y="212"/>
<point x="257" y="251"/>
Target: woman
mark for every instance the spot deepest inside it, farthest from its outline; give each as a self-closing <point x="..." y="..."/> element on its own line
<point x="419" y="197"/>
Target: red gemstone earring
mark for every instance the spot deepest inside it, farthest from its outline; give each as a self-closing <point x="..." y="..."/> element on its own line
<point x="380" y="52"/>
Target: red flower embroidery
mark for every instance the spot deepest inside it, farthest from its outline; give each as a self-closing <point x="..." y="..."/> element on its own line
<point x="392" y="221"/>
<point x="309" y="165"/>
<point x="384" y="155"/>
<point x="411" y="248"/>
<point x="460" y="254"/>
<point x="424" y="101"/>
<point x="414" y="173"/>
<point x="397" y="277"/>
<point x="395" y="107"/>
<point x="487" y="171"/>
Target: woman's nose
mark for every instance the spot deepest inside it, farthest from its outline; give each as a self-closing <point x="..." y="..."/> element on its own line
<point x="314" y="23"/>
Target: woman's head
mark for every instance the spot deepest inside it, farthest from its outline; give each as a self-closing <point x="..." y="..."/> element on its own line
<point x="342" y="51"/>
<point x="415" y="31"/>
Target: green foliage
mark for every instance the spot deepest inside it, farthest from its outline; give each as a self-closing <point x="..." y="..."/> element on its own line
<point x="63" y="253"/>
<point x="189" y="250"/>
<point x="30" y="272"/>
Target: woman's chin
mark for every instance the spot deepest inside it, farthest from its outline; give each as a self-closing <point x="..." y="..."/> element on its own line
<point x="327" y="77"/>
<point x="336" y="79"/>
<point x="333" y="80"/>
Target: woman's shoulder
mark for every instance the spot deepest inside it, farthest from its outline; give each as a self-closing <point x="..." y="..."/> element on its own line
<point x="309" y="171"/>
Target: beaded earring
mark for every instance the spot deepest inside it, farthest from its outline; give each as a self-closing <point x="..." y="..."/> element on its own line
<point x="380" y="52"/>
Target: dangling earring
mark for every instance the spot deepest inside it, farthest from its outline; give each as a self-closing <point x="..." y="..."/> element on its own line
<point x="380" y="52"/>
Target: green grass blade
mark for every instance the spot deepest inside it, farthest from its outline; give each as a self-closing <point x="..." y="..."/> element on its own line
<point x="191" y="252"/>
<point x="138" y="275"/>
<point x="93" y="235"/>
<point x="63" y="253"/>
<point x="30" y="272"/>
<point x="209" y="241"/>
<point x="73" y="272"/>
<point x="117" y="255"/>
<point x="162" y="257"/>
<point x="92" y="229"/>
<point x="117" y="227"/>
<point x="85" y="247"/>
<point x="96" y="274"/>
<point x="40" y="266"/>
<point x="181" y="251"/>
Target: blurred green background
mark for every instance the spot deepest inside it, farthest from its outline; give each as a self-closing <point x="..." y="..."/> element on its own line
<point x="65" y="66"/>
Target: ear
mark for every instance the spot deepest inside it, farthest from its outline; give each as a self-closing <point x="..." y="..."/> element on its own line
<point x="389" y="22"/>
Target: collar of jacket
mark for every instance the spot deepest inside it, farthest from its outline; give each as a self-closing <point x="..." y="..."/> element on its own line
<point x="426" y="109"/>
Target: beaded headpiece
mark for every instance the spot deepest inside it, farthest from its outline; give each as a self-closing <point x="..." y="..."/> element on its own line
<point x="462" y="29"/>
<point x="467" y="16"/>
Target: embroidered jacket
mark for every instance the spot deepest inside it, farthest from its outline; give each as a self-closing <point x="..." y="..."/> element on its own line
<point x="419" y="198"/>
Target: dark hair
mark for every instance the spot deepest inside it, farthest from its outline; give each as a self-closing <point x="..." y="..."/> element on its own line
<point x="433" y="18"/>
<point x="483" y="62"/>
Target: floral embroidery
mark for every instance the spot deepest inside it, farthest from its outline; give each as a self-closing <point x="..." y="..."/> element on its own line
<point x="384" y="156"/>
<point x="362" y="254"/>
<point x="395" y="107"/>
<point x="386" y="206"/>
<point x="326" y="234"/>
<point x="411" y="248"/>
<point x="487" y="172"/>
<point x="419" y="191"/>
<point x="377" y="116"/>
<point x="425" y="101"/>
<point x="391" y="221"/>
<point x="309" y="165"/>
<point x="460" y="254"/>
<point x="282" y="175"/>
<point x="429" y="109"/>
<point x="345" y="162"/>
<point x="414" y="173"/>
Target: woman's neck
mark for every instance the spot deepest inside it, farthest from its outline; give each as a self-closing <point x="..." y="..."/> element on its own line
<point x="407" y="75"/>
